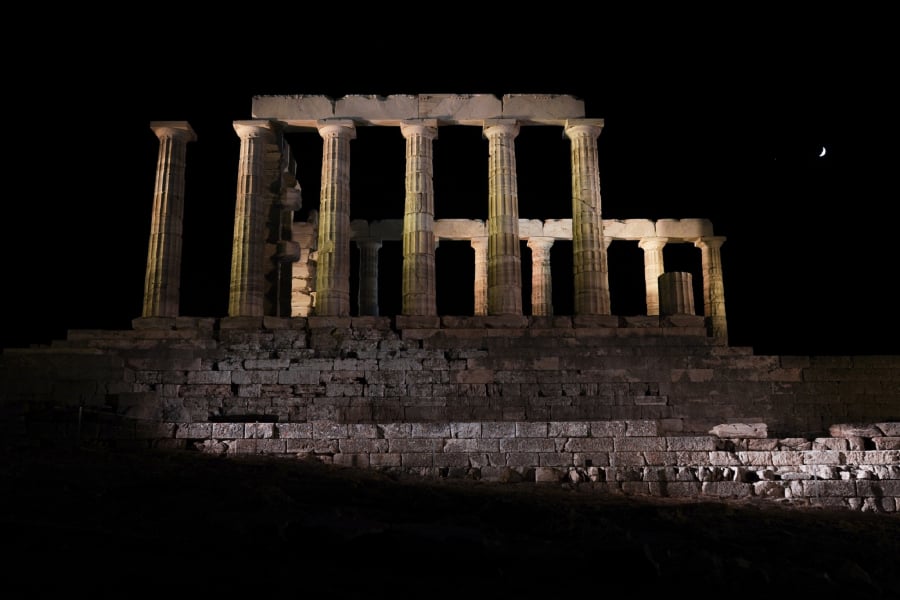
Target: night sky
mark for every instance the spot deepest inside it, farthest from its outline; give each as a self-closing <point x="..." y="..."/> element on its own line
<point x="723" y="123"/>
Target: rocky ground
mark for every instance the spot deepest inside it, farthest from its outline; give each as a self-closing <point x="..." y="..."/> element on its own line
<point x="106" y="522"/>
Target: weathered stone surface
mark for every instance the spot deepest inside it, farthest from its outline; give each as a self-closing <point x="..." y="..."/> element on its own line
<point x="742" y="430"/>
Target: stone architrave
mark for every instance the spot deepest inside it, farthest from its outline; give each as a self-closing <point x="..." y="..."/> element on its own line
<point x="541" y="279"/>
<point x="333" y="267"/>
<point x="163" y="277"/>
<point x="368" y="276"/>
<point x="713" y="285"/>
<point x="480" y="245"/>
<point x="504" y="262"/>
<point x="653" y="268"/>
<point x="247" y="289"/>
<point x="589" y="251"/>
<point x="419" y="296"/>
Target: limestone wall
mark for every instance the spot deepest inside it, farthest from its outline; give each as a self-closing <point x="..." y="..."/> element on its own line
<point x="628" y="405"/>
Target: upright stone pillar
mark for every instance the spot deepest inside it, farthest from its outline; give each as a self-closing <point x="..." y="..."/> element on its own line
<point x="589" y="250"/>
<point x="251" y="209"/>
<point x="653" y="268"/>
<point x="333" y="268"/>
<point x="504" y="262"/>
<point x="713" y="286"/>
<point x="676" y="294"/>
<point x="368" y="276"/>
<point x="541" y="280"/>
<point x="162" y="282"/>
<point x="419" y="297"/>
<point x="480" y="245"/>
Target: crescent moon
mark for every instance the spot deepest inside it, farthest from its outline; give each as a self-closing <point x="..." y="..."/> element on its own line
<point x="822" y="153"/>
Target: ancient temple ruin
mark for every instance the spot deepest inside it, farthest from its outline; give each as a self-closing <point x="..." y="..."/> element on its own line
<point x="285" y="268"/>
<point x="650" y="404"/>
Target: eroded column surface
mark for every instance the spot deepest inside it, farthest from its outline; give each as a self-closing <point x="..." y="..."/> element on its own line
<point x="589" y="251"/>
<point x="713" y="286"/>
<point x="480" y="246"/>
<point x="541" y="280"/>
<point x="162" y="281"/>
<point x="333" y="267"/>
<point x="504" y="262"/>
<point x="653" y="268"/>
<point x="419" y="296"/>
<point x="251" y="208"/>
<point x="368" y="276"/>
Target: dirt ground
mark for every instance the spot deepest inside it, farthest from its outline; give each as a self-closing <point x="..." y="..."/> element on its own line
<point x="106" y="522"/>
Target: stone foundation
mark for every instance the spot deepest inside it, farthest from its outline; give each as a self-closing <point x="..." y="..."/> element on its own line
<point x="631" y="405"/>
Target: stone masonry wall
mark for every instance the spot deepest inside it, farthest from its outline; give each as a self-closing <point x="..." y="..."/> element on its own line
<point x="635" y="405"/>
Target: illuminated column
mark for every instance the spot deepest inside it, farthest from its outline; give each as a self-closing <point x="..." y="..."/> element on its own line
<point x="589" y="250"/>
<point x="504" y="264"/>
<point x="163" y="277"/>
<point x="333" y="267"/>
<point x="250" y="212"/>
<point x="541" y="281"/>
<point x="418" y="220"/>
<point x="480" y="245"/>
<point x="713" y="286"/>
<point x="368" y="276"/>
<point x="653" y="268"/>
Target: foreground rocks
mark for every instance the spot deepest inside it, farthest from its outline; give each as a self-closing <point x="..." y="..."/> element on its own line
<point x="113" y="522"/>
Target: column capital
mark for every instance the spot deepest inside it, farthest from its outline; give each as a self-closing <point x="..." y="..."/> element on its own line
<point x="254" y="129"/>
<point x="424" y="127"/>
<point x="494" y="127"/>
<point x="368" y="242"/>
<point x="336" y="127"/>
<point x="540" y="243"/>
<point x="652" y="243"/>
<point x="181" y="130"/>
<point x="479" y="242"/>
<point x="710" y="242"/>
<point x="591" y="127"/>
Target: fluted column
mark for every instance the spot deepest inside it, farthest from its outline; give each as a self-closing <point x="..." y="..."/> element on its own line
<point x="368" y="276"/>
<point x="713" y="286"/>
<point x="480" y="245"/>
<point x="504" y="262"/>
<point x="333" y="268"/>
<point x="419" y="296"/>
<point x="541" y="280"/>
<point x="162" y="281"/>
<point x="589" y="251"/>
<point x="248" y="246"/>
<point x="653" y="268"/>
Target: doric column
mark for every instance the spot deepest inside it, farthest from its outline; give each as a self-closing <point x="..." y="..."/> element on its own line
<point x="504" y="262"/>
<point x="418" y="220"/>
<point x="589" y="251"/>
<point x="368" y="276"/>
<point x="541" y="281"/>
<point x="480" y="245"/>
<point x="713" y="286"/>
<point x="333" y="268"/>
<point x="162" y="281"/>
<point x="250" y="212"/>
<point x="653" y="268"/>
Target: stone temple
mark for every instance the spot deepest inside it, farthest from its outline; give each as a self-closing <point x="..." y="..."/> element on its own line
<point x="655" y="404"/>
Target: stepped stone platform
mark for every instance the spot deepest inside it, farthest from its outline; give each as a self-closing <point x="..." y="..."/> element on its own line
<point x="647" y="405"/>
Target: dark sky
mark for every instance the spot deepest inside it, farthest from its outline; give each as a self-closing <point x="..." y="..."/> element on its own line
<point x="725" y="123"/>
